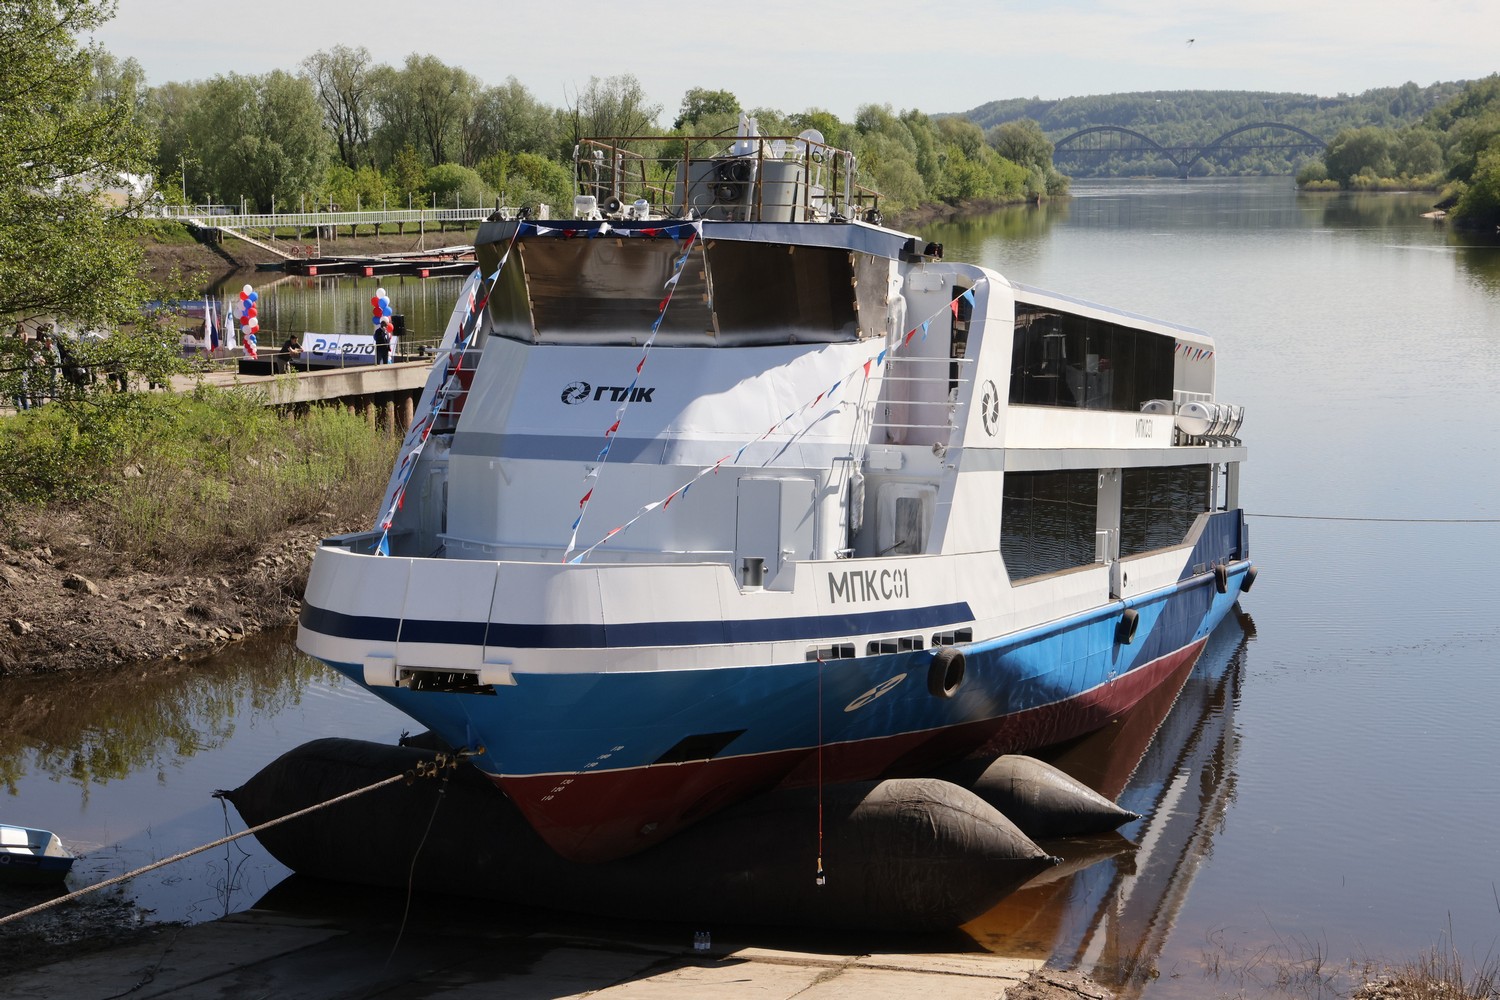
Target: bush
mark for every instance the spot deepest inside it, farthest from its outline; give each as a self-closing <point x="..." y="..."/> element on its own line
<point x="452" y="186"/>
<point x="176" y="481"/>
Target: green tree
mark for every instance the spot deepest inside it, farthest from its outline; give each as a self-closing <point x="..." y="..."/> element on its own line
<point x="699" y="103"/>
<point x="394" y="115"/>
<point x="69" y="215"/>
<point x="613" y="107"/>
<point x="1479" y="206"/>
<point x="1022" y="141"/>
<point x="407" y="178"/>
<point x="341" y="79"/>
<point x="256" y="137"/>
<point x="1468" y="139"/>
<point x="526" y="180"/>
<point x="1359" y="151"/>
<point x="1416" y="152"/>
<point x="365" y="188"/>
<point x="444" y="97"/>
<point x="67" y="246"/>
<point x="508" y="119"/>
<point x="452" y="185"/>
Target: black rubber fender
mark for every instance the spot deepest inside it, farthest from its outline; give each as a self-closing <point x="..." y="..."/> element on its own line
<point x="946" y="674"/>
<point x="1130" y="620"/>
<point x="1221" y="578"/>
<point x="1248" y="581"/>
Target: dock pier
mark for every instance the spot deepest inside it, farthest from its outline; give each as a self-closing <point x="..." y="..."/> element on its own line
<point x="384" y="395"/>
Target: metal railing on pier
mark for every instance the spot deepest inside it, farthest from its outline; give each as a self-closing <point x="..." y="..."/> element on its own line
<point x="220" y="217"/>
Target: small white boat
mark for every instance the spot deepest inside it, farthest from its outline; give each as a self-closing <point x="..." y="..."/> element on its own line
<point x="32" y="857"/>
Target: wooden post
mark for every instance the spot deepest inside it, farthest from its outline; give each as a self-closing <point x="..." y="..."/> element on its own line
<point x="406" y="411"/>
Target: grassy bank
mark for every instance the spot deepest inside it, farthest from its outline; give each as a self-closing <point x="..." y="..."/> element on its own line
<point x="177" y="482"/>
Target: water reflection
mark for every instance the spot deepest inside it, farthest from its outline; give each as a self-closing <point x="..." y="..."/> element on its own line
<point x="1479" y="256"/>
<point x="1013" y="222"/>
<point x="123" y="766"/>
<point x="1365" y="209"/>
<point x="93" y="728"/>
<point x="1109" y="909"/>
<point x="340" y="304"/>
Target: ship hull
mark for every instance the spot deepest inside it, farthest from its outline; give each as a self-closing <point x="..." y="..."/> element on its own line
<point x="582" y="756"/>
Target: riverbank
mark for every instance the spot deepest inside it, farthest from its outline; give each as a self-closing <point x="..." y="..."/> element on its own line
<point x="68" y="603"/>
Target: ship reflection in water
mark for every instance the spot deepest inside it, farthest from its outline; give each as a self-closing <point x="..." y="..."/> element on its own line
<point x="1108" y="909"/>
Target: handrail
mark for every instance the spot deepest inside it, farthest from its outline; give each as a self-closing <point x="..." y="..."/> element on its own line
<point x="309" y="220"/>
<point x="820" y="186"/>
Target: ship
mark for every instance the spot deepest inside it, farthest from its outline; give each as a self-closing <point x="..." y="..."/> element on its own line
<point x="721" y="485"/>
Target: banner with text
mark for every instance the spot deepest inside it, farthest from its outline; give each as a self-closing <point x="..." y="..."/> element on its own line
<point x="338" y="348"/>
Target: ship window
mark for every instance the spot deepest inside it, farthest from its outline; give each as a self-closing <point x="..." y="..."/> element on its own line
<point x="1063" y="359"/>
<point x="953" y="638"/>
<point x="608" y="290"/>
<point x="1048" y="520"/>
<point x="903" y="644"/>
<point x="1159" y="505"/>
<point x="600" y="291"/>
<point x="775" y="293"/>
<point x="840" y="651"/>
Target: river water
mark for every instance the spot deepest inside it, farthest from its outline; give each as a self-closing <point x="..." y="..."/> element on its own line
<point x="1324" y="791"/>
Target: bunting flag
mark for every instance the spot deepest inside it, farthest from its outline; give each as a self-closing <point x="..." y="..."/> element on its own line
<point x="694" y="231"/>
<point x="444" y="385"/>
<point x="732" y="458"/>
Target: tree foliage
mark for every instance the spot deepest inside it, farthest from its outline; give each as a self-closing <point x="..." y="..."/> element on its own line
<point x="700" y="103"/>
<point x="1359" y="151"/>
<point x="253" y="137"/>
<point x="615" y="106"/>
<point x="70" y="189"/>
<point x="341" y="80"/>
<point x="1458" y="141"/>
<point x="1194" y="118"/>
<point x="66" y="234"/>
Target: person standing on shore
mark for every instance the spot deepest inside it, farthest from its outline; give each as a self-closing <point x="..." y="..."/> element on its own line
<point x="20" y="356"/>
<point x="48" y="365"/>
<point x="382" y="345"/>
<point x="291" y="352"/>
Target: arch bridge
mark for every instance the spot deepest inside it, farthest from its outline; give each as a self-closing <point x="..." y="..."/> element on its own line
<point x="1112" y="139"/>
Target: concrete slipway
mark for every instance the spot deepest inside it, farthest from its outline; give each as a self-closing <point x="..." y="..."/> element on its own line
<point x="263" y="953"/>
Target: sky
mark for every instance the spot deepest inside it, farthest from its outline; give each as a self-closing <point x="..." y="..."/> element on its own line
<point x="792" y="55"/>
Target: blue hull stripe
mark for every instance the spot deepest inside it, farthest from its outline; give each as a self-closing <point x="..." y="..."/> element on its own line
<point x="631" y="634"/>
<point x="633" y="718"/>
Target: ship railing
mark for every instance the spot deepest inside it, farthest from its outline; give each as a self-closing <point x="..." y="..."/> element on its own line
<point x="457" y="390"/>
<point x="472" y="548"/>
<point x="744" y="179"/>
<point x="916" y="385"/>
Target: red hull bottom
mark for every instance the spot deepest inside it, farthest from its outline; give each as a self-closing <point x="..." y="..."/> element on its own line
<point x="594" y="816"/>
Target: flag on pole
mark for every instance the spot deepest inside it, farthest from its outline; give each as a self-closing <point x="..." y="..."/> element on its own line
<point x="226" y="327"/>
<point x="210" y="325"/>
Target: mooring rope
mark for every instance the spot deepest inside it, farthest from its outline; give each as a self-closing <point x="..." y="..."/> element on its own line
<point x="424" y="769"/>
<point x="1379" y="520"/>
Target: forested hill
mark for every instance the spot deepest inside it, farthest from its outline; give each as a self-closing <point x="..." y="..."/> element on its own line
<point x="1196" y="117"/>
